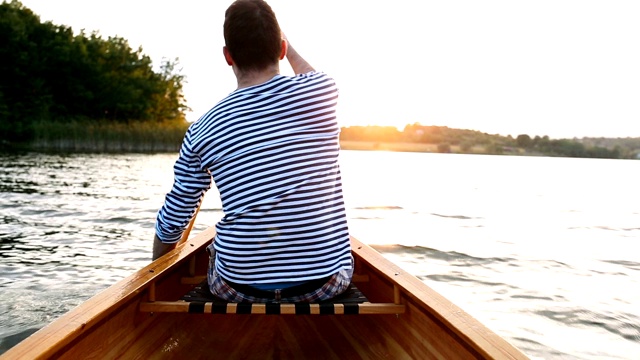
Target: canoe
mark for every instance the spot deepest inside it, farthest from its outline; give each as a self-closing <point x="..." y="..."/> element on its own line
<point x="144" y="317"/>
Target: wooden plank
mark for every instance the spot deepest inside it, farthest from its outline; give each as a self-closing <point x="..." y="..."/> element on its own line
<point x="193" y="280"/>
<point x="284" y="337"/>
<point x="111" y="325"/>
<point x="260" y="308"/>
<point x="452" y="318"/>
<point x="50" y="339"/>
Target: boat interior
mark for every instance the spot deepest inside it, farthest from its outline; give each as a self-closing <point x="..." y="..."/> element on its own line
<point x="389" y="314"/>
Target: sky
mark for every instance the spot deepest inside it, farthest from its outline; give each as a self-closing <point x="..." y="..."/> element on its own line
<point x="561" y="68"/>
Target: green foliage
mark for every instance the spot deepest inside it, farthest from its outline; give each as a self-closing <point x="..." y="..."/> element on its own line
<point x="442" y="134"/>
<point x="50" y="74"/>
<point x="524" y="141"/>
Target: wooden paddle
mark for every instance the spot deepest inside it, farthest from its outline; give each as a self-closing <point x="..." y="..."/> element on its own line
<point x="185" y="234"/>
<point x="159" y="248"/>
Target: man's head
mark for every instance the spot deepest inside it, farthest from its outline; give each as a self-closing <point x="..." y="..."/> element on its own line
<point x="252" y="35"/>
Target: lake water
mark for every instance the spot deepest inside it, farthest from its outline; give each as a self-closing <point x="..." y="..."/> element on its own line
<point x="543" y="251"/>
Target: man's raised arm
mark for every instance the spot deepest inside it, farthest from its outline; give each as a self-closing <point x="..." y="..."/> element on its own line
<point x="298" y="63"/>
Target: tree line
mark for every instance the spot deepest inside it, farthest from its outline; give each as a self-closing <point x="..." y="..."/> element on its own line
<point x="51" y="74"/>
<point x="53" y="80"/>
<point x="470" y="141"/>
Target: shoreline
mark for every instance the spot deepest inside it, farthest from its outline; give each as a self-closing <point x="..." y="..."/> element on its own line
<point x="421" y="147"/>
<point x="126" y="146"/>
<point x="157" y="145"/>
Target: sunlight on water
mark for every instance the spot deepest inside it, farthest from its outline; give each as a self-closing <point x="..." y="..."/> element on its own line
<point x="541" y="250"/>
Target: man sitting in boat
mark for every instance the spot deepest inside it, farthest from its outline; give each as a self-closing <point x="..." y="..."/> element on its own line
<point x="271" y="146"/>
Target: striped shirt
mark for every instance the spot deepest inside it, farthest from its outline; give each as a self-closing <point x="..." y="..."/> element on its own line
<point x="272" y="150"/>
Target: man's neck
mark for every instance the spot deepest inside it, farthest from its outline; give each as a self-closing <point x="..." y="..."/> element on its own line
<point x="256" y="77"/>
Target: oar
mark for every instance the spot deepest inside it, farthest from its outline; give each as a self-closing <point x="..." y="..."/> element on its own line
<point x="185" y="234"/>
<point x="160" y="248"/>
<point x="185" y="237"/>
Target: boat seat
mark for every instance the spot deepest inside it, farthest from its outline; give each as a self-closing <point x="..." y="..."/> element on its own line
<point x="200" y="300"/>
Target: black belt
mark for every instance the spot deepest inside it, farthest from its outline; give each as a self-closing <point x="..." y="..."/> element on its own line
<point x="296" y="290"/>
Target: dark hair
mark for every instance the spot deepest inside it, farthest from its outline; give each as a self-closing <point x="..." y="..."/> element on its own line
<point x="252" y="34"/>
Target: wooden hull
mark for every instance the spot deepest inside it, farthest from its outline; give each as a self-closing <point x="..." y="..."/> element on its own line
<point x="111" y="325"/>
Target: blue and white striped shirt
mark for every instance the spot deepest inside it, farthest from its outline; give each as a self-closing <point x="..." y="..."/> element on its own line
<point x="272" y="150"/>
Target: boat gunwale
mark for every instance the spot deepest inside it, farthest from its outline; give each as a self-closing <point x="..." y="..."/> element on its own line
<point x="454" y="319"/>
<point x="54" y="337"/>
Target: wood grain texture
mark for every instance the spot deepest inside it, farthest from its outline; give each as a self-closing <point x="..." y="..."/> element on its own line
<point x="429" y="307"/>
<point x="111" y="325"/>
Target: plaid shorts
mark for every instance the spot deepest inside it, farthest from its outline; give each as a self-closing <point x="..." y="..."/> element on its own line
<point x="336" y="285"/>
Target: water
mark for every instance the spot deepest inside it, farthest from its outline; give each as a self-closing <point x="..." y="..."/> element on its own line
<point x="543" y="251"/>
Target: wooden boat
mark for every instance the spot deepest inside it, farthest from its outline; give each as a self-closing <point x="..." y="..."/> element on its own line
<point x="142" y="317"/>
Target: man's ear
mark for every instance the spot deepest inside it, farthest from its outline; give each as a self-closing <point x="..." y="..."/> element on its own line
<point x="227" y="56"/>
<point x="283" y="50"/>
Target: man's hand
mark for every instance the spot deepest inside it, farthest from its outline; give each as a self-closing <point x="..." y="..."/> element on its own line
<point x="160" y="248"/>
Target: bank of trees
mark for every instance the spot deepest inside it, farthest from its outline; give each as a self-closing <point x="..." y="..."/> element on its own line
<point x="48" y="73"/>
<point x="447" y="139"/>
<point x="615" y="149"/>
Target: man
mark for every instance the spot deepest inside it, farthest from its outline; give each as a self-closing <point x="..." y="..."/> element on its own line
<point x="271" y="146"/>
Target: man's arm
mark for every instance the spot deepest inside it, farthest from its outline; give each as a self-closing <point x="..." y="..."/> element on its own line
<point x="191" y="181"/>
<point x="160" y="248"/>
<point x="298" y="63"/>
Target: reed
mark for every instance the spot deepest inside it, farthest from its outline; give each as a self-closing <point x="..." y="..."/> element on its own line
<point x="97" y="136"/>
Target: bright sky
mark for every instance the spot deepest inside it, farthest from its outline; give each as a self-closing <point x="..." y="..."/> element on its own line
<point x="563" y="68"/>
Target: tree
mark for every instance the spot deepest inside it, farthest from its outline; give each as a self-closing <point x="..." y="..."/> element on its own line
<point x="524" y="141"/>
<point x="48" y="74"/>
<point x="169" y="102"/>
<point x="24" y="91"/>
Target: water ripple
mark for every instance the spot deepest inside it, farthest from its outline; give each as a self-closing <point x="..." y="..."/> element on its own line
<point x="632" y="265"/>
<point x="460" y="217"/>
<point x="454" y="258"/>
<point x="70" y="225"/>
<point x="624" y="325"/>
<point x="461" y="277"/>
